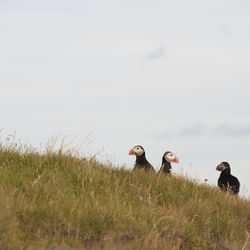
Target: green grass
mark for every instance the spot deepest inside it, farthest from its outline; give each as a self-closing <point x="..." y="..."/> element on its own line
<point x="54" y="198"/>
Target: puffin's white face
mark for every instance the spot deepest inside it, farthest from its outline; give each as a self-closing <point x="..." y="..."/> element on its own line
<point x="137" y="150"/>
<point x="170" y="157"/>
<point x="222" y="166"/>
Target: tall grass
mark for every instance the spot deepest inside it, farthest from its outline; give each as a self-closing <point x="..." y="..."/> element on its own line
<point x="56" y="197"/>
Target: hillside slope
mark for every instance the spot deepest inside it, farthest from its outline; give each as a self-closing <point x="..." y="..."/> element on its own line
<point x="54" y="198"/>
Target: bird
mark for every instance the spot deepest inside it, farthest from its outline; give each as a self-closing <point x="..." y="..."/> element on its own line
<point x="167" y="158"/>
<point x="141" y="161"/>
<point x="227" y="181"/>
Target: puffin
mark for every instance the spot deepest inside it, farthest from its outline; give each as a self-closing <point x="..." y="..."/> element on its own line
<point x="227" y="181"/>
<point x="141" y="161"/>
<point x="167" y="158"/>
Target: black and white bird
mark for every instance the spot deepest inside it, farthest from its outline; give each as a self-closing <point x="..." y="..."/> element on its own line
<point x="141" y="161"/>
<point x="167" y="158"/>
<point x="227" y="181"/>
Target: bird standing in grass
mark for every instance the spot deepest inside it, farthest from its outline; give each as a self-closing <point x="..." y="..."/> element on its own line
<point x="167" y="158"/>
<point x="141" y="161"/>
<point x="227" y="181"/>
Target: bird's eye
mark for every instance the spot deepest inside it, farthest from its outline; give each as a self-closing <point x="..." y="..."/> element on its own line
<point x="137" y="148"/>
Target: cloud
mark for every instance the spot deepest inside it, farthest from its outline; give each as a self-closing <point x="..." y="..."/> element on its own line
<point x="194" y="130"/>
<point x="231" y="130"/>
<point x="227" y="32"/>
<point x="200" y="129"/>
<point x="158" y="53"/>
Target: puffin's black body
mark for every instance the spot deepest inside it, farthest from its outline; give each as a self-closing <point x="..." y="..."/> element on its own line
<point x="227" y="181"/>
<point x="141" y="161"/>
<point x="166" y="164"/>
<point x="165" y="167"/>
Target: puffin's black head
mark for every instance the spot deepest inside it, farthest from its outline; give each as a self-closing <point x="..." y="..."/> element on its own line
<point x="223" y="166"/>
<point x="170" y="157"/>
<point x="137" y="150"/>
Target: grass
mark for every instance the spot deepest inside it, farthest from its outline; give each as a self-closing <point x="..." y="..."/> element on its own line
<point x="53" y="198"/>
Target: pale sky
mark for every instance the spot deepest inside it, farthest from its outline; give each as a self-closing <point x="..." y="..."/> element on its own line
<point x="168" y="75"/>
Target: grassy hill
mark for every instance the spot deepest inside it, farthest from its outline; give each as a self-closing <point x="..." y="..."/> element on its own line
<point x="54" y="198"/>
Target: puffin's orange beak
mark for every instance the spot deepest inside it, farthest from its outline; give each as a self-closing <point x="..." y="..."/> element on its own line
<point x="176" y="160"/>
<point x="131" y="152"/>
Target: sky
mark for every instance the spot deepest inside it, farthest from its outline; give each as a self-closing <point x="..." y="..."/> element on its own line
<point x="167" y="75"/>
